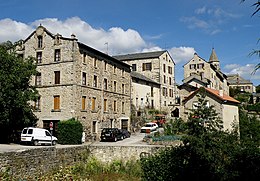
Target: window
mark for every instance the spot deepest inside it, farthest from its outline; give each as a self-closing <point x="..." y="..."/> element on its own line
<point x="164" y="79"/>
<point x="93" y="104"/>
<point x="123" y="88"/>
<point x="83" y="103"/>
<point x="56" y="103"/>
<point x="164" y="68"/>
<point x="84" y="57"/>
<point x="94" y="127"/>
<point x="133" y="67"/>
<point x="152" y="104"/>
<point x="84" y="78"/>
<point x="169" y="70"/>
<point x="38" y="79"/>
<point x="105" y="65"/>
<point x="114" y="86"/>
<point x="164" y="91"/>
<point x="105" y="84"/>
<point x="147" y="66"/>
<point x="192" y="66"/>
<point x="170" y="80"/>
<point x="114" y="107"/>
<point x="105" y="105"/>
<point x="200" y="65"/>
<point x="151" y="91"/>
<point x="165" y="103"/>
<point x="57" y="55"/>
<point x="39" y="57"/>
<point x="123" y="107"/>
<point x="37" y="103"/>
<point x="39" y="41"/>
<point x="95" y="81"/>
<point x="95" y="62"/>
<point x="57" y="77"/>
<point x="195" y="105"/>
<point x="123" y="72"/>
<point x="114" y="69"/>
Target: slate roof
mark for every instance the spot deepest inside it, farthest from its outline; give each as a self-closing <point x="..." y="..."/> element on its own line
<point x="213" y="57"/>
<point x="234" y="79"/>
<point x="135" y="56"/>
<point x="142" y="77"/>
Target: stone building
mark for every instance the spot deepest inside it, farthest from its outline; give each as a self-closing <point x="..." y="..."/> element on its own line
<point x="160" y="67"/>
<point x="237" y="82"/>
<point x="75" y="80"/>
<point x="201" y="73"/>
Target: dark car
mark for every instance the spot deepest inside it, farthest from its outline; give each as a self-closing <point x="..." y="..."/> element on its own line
<point x="126" y="134"/>
<point x="111" y="134"/>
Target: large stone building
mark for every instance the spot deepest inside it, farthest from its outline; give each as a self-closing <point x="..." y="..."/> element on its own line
<point x="201" y="73"/>
<point x="237" y="82"/>
<point x="160" y="67"/>
<point x="75" y="80"/>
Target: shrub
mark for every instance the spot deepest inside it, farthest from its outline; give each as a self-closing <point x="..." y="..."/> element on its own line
<point x="70" y="132"/>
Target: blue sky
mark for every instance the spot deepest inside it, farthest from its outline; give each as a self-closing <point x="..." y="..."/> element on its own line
<point x="129" y="26"/>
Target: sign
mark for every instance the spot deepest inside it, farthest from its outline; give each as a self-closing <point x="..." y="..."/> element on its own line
<point x="51" y="125"/>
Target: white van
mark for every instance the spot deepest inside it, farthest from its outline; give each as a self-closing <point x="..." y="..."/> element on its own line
<point x="37" y="136"/>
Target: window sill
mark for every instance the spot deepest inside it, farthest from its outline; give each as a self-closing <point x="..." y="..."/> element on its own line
<point x="55" y="110"/>
<point x="94" y="111"/>
<point x="83" y="110"/>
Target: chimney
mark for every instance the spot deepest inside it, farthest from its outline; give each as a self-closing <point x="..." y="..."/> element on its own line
<point x="73" y="36"/>
<point x="221" y="93"/>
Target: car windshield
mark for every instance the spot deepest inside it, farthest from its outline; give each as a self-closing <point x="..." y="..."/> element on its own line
<point x="148" y="125"/>
<point x="24" y="131"/>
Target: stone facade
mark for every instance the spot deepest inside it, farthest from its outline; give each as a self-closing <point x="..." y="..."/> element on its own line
<point x="237" y="82"/>
<point x="75" y="80"/>
<point x="37" y="162"/>
<point x="160" y="67"/>
<point x="198" y="72"/>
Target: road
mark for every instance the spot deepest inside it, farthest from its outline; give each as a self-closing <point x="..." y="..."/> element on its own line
<point x="136" y="139"/>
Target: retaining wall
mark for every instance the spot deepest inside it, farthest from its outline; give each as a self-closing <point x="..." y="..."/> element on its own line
<point x="38" y="161"/>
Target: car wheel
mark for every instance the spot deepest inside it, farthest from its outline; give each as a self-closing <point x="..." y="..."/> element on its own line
<point x="35" y="142"/>
<point x="54" y="142"/>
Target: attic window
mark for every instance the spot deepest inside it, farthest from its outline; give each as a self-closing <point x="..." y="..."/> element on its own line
<point x="39" y="41"/>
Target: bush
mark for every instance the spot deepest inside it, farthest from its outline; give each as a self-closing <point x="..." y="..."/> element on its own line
<point x="70" y="132"/>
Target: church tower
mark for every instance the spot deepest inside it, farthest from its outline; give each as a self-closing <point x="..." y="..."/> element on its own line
<point x="213" y="59"/>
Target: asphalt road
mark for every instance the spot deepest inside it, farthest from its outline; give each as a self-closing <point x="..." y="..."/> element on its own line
<point x="136" y="139"/>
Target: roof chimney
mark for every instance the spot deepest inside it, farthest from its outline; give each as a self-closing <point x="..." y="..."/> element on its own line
<point x="73" y="36"/>
<point x="221" y="93"/>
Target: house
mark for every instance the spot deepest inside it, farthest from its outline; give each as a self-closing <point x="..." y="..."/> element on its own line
<point x="75" y="80"/>
<point x="237" y="82"/>
<point x="225" y="106"/>
<point x="144" y="92"/>
<point x="201" y="73"/>
<point x="159" y="67"/>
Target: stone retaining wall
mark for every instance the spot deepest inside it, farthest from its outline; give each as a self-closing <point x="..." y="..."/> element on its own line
<point x="36" y="162"/>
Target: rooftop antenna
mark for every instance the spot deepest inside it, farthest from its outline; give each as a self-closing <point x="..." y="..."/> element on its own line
<point x="107" y="47"/>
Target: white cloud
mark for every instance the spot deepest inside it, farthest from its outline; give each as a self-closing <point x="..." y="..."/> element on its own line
<point x="182" y="54"/>
<point x="119" y="40"/>
<point x="13" y="31"/>
<point x="245" y="71"/>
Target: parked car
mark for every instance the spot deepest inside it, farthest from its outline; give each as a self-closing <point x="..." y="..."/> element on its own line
<point x="37" y="136"/>
<point x="112" y="134"/>
<point x="126" y="134"/>
<point x="149" y="127"/>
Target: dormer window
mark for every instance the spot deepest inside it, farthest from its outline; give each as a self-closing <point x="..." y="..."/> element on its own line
<point x="39" y="41"/>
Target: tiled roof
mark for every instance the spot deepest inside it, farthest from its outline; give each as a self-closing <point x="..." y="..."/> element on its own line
<point x="216" y="93"/>
<point x="139" y="55"/>
<point x="142" y="77"/>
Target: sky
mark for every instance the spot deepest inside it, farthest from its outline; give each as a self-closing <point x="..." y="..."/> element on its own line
<point x="182" y="27"/>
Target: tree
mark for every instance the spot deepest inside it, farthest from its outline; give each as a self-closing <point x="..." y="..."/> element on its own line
<point x="207" y="152"/>
<point x="15" y="92"/>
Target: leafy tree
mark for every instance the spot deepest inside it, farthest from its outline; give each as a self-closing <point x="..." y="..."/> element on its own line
<point x="15" y="93"/>
<point x="207" y="152"/>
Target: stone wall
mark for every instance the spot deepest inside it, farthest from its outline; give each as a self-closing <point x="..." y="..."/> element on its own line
<point x="38" y="161"/>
